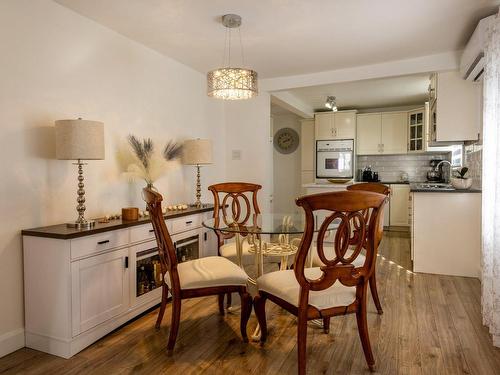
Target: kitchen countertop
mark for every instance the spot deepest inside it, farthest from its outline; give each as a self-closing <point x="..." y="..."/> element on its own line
<point x="330" y="184"/>
<point x="415" y="189"/>
<point x="63" y="232"/>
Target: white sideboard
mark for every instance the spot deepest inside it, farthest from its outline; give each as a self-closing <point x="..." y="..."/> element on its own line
<point x="81" y="285"/>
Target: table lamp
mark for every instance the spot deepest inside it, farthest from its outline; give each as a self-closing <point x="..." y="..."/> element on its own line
<point x="197" y="152"/>
<point x="80" y="140"/>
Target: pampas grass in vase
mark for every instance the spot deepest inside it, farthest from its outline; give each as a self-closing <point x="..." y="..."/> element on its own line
<point x="144" y="163"/>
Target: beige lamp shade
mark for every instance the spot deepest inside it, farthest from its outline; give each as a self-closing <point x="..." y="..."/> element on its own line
<point x="197" y="151"/>
<point x="79" y="139"/>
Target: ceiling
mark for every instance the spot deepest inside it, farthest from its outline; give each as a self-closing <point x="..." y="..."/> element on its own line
<point x="287" y="37"/>
<point x="372" y="93"/>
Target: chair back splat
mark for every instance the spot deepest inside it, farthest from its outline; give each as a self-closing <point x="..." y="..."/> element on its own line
<point x="237" y="201"/>
<point x="166" y="250"/>
<point x="356" y="230"/>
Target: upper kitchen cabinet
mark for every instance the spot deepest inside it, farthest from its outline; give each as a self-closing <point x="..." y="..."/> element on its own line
<point x="382" y="133"/>
<point x="417" y="130"/>
<point x="369" y="127"/>
<point x="455" y="108"/>
<point x="335" y="125"/>
<point x="394" y="128"/>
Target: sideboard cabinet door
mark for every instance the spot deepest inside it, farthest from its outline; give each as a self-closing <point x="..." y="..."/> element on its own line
<point x="100" y="289"/>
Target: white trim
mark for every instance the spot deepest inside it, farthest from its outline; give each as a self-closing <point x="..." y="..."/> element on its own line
<point x="11" y="341"/>
<point x="423" y="64"/>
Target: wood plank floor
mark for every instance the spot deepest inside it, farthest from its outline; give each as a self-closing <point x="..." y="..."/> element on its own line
<point x="431" y="325"/>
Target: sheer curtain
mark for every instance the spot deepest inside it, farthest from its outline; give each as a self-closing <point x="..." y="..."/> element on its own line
<point x="491" y="185"/>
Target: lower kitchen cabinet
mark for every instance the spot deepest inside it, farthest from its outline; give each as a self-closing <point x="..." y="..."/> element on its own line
<point x="399" y="211"/>
<point x="446" y="233"/>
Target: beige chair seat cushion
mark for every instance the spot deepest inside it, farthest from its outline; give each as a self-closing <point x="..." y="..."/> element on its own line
<point x="209" y="272"/>
<point x="284" y="285"/>
<point x="228" y="250"/>
<point x="330" y="254"/>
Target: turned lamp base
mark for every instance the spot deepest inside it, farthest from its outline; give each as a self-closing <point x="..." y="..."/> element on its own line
<point x="86" y="225"/>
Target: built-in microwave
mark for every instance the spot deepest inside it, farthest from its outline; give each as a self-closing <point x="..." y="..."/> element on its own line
<point x="335" y="159"/>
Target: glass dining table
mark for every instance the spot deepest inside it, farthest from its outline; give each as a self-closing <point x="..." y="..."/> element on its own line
<point x="271" y="235"/>
<point x="268" y="235"/>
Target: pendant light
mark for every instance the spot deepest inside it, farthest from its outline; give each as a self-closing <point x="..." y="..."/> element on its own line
<point x="231" y="83"/>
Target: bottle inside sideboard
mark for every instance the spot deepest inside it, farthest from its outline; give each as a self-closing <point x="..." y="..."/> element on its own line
<point x="148" y="272"/>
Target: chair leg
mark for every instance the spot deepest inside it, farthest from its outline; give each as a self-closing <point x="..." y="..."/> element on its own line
<point x="373" y="289"/>
<point x="174" y="326"/>
<point x="229" y="300"/>
<point x="220" y="298"/>
<point x="164" y="297"/>
<point x="246" y="310"/>
<point x="326" y="325"/>
<point x="260" y="310"/>
<point x="363" y="332"/>
<point x="301" y="342"/>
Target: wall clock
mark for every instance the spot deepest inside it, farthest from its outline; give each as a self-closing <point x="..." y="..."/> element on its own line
<point x="286" y="140"/>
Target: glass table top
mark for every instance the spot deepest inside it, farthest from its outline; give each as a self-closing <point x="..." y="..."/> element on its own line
<point x="264" y="224"/>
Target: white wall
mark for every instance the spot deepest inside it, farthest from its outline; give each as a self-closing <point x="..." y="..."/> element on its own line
<point x="248" y="130"/>
<point x="54" y="65"/>
<point x="286" y="169"/>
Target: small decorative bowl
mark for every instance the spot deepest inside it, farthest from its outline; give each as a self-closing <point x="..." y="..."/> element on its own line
<point x="461" y="183"/>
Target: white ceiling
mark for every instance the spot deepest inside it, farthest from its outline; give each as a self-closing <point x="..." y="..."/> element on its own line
<point x="286" y="37"/>
<point x="373" y="93"/>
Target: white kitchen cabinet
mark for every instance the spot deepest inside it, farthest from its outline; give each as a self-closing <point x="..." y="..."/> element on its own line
<point x="324" y="125"/>
<point x="100" y="289"/>
<point x="399" y="211"/>
<point x="368" y="133"/>
<point x="345" y="125"/>
<point x="446" y="233"/>
<point x="417" y="130"/>
<point x="335" y="125"/>
<point x="456" y="111"/>
<point x="381" y="133"/>
<point x="393" y="133"/>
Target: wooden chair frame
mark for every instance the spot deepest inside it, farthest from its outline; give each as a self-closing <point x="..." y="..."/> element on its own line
<point x="168" y="263"/>
<point x="356" y="228"/>
<point x="232" y="193"/>
<point x="381" y="189"/>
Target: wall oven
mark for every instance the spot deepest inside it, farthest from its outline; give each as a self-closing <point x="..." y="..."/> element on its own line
<point x="335" y="159"/>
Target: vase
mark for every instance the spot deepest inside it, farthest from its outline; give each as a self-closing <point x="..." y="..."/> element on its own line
<point x="461" y="183"/>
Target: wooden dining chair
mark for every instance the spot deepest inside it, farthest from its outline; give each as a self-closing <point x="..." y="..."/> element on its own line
<point x="338" y="287"/>
<point x="196" y="278"/>
<point x="237" y="202"/>
<point x="385" y="190"/>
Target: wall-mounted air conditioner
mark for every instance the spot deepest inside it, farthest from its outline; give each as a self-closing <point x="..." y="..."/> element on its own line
<point x="472" y="60"/>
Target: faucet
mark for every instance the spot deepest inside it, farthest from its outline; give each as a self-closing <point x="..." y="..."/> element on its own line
<point x="444" y="162"/>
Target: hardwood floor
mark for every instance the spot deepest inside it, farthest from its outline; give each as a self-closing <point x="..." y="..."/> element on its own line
<point x="431" y="325"/>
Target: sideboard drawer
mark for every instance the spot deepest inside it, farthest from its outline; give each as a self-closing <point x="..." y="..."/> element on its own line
<point x="185" y="223"/>
<point x="84" y="246"/>
<point x="145" y="232"/>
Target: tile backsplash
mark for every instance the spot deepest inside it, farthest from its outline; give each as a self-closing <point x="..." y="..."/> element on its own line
<point x="390" y="167"/>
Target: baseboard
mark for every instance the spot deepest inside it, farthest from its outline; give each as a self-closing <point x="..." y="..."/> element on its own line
<point x="11" y="341"/>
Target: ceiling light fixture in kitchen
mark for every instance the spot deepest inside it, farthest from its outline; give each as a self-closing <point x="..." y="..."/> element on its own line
<point x="331" y="103"/>
<point x="230" y="83"/>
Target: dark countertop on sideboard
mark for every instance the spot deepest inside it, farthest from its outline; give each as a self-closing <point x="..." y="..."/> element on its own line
<point x="63" y="232"/>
